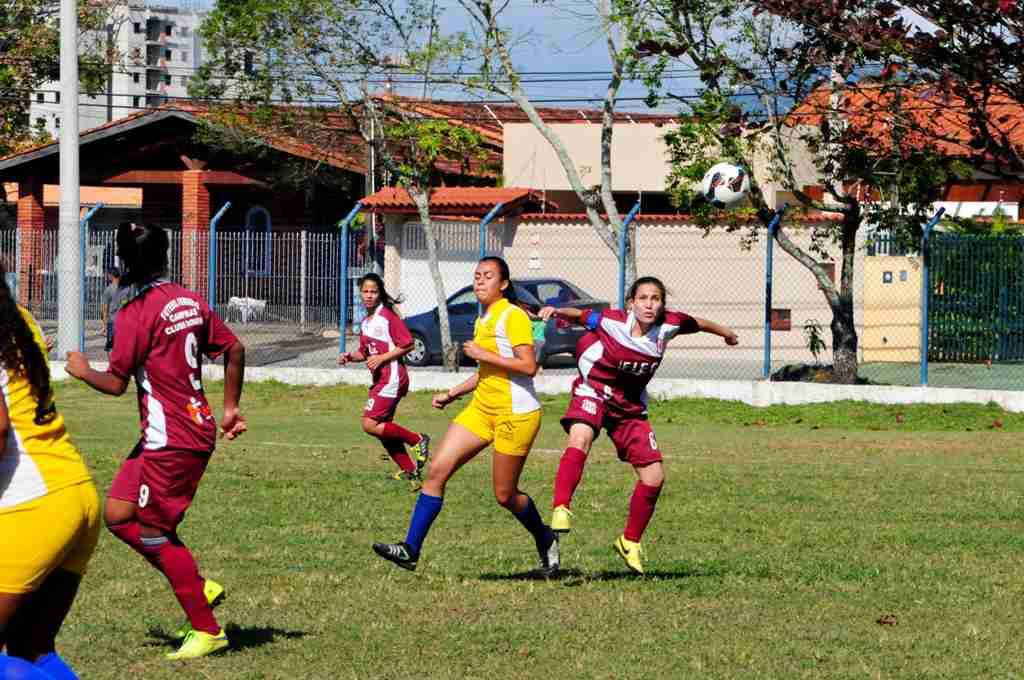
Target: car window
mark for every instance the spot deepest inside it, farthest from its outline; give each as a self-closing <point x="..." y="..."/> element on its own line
<point x="551" y="292"/>
<point x="465" y="297"/>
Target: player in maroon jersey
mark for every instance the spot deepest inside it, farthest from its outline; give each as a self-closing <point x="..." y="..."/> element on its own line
<point x="163" y="332"/>
<point x="383" y="341"/>
<point x="616" y="360"/>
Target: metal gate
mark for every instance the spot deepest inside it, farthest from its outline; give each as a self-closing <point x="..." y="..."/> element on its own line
<point x="976" y="298"/>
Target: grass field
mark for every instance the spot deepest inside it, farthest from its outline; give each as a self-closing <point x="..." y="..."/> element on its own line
<point x="831" y="541"/>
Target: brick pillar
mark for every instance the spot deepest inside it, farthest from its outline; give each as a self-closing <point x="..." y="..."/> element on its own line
<point x="195" y="231"/>
<point x="30" y="234"/>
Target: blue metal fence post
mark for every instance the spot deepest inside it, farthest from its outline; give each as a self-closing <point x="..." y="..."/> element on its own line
<point x="211" y="273"/>
<point x="483" y="228"/>
<point x="768" y="269"/>
<point x="622" y="253"/>
<point x="83" y="225"/>
<point x="343" y="269"/>
<point x="925" y="291"/>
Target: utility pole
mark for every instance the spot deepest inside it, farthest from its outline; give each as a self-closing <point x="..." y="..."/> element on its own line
<point x="69" y="279"/>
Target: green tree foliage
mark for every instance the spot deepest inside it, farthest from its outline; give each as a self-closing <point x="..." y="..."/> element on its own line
<point x="30" y="56"/>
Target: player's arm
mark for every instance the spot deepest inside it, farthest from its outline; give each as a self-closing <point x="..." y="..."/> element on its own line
<point x="444" y="398"/>
<point x="717" y="329"/>
<point x="232" y="423"/>
<point x="567" y="313"/>
<point x="351" y="357"/>
<point x="102" y="381"/>
<point x="376" y="360"/>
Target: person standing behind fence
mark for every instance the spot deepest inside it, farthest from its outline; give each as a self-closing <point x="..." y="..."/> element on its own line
<point x="383" y="341"/>
<point x="162" y="334"/>
<point x="110" y="301"/>
<point x="616" y="360"/>
<point x="505" y="411"/>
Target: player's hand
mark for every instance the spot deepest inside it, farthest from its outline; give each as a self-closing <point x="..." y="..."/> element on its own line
<point x="232" y="424"/>
<point x="344" y="358"/>
<point x="77" y="365"/>
<point x="473" y="350"/>
<point x="440" y="400"/>
<point x="732" y="339"/>
<point x="546" y="313"/>
<point x="49" y="342"/>
<point x="372" y="362"/>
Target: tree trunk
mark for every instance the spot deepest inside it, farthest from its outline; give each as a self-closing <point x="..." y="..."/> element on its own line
<point x="844" y="343"/>
<point x="449" y="356"/>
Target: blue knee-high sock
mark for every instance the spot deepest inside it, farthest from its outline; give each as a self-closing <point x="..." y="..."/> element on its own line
<point x="423" y="515"/>
<point x="530" y="518"/>
<point x="14" y="668"/>
<point x="55" y="667"/>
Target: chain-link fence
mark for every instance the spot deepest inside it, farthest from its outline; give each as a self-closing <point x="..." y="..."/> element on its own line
<point x="282" y="293"/>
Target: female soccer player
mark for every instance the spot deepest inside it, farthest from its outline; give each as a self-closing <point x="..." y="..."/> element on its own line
<point x="616" y="361"/>
<point x="505" y="411"/>
<point x="162" y="334"/>
<point x="383" y="341"/>
<point x="49" y="510"/>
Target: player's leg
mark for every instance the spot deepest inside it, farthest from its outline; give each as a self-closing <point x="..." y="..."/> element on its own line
<point x="582" y="422"/>
<point x="380" y="409"/>
<point x="635" y="442"/>
<point x="463" y="440"/>
<point x="513" y="440"/>
<point x="395" y="448"/>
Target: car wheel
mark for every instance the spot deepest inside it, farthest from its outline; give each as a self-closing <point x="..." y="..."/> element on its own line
<point x="420" y="354"/>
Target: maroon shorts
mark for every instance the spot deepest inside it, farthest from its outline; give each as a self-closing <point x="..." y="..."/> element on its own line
<point x="382" y="409"/>
<point x="632" y="436"/>
<point x="162" y="484"/>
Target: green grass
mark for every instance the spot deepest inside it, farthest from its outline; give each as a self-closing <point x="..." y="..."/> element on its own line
<point x="782" y="537"/>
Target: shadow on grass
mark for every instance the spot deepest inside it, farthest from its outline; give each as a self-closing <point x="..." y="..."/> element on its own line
<point x="575" y="577"/>
<point x="242" y="637"/>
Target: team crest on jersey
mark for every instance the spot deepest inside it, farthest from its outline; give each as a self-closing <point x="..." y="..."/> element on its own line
<point x="198" y="412"/>
<point x="590" y="407"/>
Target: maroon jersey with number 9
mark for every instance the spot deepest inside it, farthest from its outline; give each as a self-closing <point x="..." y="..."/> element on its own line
<point x="160" y="338"/>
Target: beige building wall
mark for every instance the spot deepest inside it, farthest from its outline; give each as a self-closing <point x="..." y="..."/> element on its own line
<point x="892" y="309"/>
<point x="709" y="276"/>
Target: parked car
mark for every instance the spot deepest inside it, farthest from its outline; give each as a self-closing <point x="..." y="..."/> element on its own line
<point x="560" y="336"/>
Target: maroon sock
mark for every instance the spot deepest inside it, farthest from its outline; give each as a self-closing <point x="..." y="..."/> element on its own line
<point x="130" y="533"/>
<point x="570" y="472"/>
<point x="641" y="509"/>
<point x="396" y="431"/>
<point x="178" y="565"/>
<point x="396" y="449"/>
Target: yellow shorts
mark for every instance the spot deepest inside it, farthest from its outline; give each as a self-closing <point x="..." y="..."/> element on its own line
<point x="57" y="531"/>
<point x="512" y="433"/>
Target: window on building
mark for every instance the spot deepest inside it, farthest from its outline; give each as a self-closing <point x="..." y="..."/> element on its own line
<point x="40" y="97"/>
<point x="167" y="55"/>
<point x="136" y="101"/>
<point x="184" y="81"/>
<point x="137" y="27"/>
<point x="167" y="29"/>
<point x="56" y="122"/>
<point x="56" y="97"/>
<point x="135" y="77"/>
<point x="167" y="78"/>
<point x="258" y="242"/>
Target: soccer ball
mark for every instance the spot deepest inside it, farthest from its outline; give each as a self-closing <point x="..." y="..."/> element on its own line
<point x="726" y="184"/>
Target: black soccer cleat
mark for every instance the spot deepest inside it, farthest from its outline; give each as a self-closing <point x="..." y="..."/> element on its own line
<point x="399" y="553"/>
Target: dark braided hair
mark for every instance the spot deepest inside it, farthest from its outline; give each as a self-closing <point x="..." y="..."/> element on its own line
<point x="21" y="354"/>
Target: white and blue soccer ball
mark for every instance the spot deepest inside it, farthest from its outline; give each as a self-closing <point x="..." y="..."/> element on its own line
<point x="725" y="185"/>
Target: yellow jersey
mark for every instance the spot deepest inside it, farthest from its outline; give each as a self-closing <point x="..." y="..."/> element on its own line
<point x="498" y="392"/>
<point x="38" y="458"/>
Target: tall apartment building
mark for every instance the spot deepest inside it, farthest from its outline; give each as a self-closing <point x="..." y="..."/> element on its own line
<point x="158" y="49"/>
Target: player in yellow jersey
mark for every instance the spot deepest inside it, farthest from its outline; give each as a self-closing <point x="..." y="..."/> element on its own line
<point x="505" y="412"/>
<point x="49" y="510"/>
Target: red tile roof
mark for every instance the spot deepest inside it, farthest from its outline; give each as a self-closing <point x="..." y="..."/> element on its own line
<point x="672" y="218"/>
<point x="934" y="120"/>
<point x="450" y="200"/>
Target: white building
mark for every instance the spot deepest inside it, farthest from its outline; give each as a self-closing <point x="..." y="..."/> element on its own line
<point x="157" y="49"/>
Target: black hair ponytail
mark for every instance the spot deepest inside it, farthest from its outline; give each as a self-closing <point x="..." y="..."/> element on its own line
<point x="143" y="251"/>
<point x="21" y="354"/>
